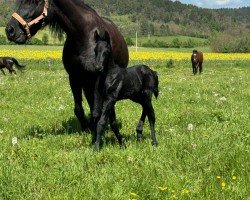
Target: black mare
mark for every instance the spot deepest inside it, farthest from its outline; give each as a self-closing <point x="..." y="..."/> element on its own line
<point x="137" y="83"/>
<point x="8" y="62"/>
<point x="79" y="22"/>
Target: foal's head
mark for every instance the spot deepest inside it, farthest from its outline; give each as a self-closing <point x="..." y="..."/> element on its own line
<point x="103" y="51"/>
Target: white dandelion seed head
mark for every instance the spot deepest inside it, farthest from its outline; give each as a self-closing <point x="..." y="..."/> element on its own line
<point x="223" y="99"/>
<point x="14" y="141"/>
<point x="190" y="127"/>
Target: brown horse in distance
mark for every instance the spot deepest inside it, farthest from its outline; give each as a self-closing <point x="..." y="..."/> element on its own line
<point x="8" y="62"/>
<point x="197" y="60"/>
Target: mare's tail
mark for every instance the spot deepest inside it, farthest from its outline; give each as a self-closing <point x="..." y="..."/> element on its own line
<point x="156" y="83"/>
<point x="20" y="67"/>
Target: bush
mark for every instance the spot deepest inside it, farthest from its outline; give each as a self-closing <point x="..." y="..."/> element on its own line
<point x="170" y="63"/>
<point x="156" y="44"/>
<point x="231" y="43"/>
<point x="129" y="41"/>
<point x="45" y="39"/>
<point x="3" y="40"/>
<point x="176" y="43"/>
<point x="34" y="41"/>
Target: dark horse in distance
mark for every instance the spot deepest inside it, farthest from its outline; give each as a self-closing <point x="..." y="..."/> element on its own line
<point x="197" y="60"/>
<point x="8" y="62"/>
<point x="79" y="22"/>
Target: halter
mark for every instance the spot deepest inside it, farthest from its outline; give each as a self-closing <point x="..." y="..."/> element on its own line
<point x="26" y="25"/>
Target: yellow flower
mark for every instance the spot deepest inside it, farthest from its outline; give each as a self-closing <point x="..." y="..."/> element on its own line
<point x="223" y="185"/>
<point x="218" y="177"/>
<point x="162" y="188"/>
<point x="234" y="178"/>
<point x="185" y="191"/>
<point x="133" y="195"/>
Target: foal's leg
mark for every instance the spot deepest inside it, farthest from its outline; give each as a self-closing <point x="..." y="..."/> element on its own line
<point x="2" y="71"/>
<point x="78" y="109"/>
<point x="140" y="125"/>
<point x="151" y="119"/>
<point x="108" y="104"/>
<point x="114" y="127"/>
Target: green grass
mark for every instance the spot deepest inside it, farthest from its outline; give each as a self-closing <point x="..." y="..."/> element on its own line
<point x="53" y="160"/>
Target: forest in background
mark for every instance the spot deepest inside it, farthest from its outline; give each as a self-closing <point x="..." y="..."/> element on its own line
<point x="170" y="18"/>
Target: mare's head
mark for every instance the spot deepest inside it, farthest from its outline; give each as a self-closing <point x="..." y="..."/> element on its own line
<point x="27" y="20"/>
<point x="103" y="51"/>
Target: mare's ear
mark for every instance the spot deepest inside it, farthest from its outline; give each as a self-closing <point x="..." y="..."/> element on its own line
<point x="97" y="36"/>
<point x="107" y="37"/>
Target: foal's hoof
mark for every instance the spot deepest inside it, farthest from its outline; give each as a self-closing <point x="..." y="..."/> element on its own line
<point x="96" y="147"/>
<point x="154" y="143"/>
<point x="123" y="144"/>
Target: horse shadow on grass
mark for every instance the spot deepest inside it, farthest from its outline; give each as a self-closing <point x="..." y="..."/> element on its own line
<point x="72" y="126"/>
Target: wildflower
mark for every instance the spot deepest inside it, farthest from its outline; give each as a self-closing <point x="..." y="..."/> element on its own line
<point x="133" y="195"/>
<point x="218" y="177"/>
<point x="223" y="99"/>
<point x="223" y="185"/>
<point x="185" y="191"/>
<point x="190" y="127"/>
<point x="14" y="141"/>
<point x="162" y="188"/>
<point x="234" y="178"/>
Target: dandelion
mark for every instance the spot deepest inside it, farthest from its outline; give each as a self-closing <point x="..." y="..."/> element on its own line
<point x="185" y="191"/>
<point x="223" y="99"/>
<point x="234" y="178"/>
<point x="190" y="127"/>
<point x="133" y="195"/>
<point x="223" y="185"/>
<point x="162" y="189"/>
<point x="14" y="141"/>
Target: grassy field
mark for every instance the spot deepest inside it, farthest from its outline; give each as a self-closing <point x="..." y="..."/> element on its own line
<point x="52" y="159"/>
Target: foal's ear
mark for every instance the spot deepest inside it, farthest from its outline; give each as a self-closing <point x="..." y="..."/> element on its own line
<point x="107" y="37"/>
<point x="97" y="36"/>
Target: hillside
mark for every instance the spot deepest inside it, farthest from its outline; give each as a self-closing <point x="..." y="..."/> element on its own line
<point x="160" y="17"/>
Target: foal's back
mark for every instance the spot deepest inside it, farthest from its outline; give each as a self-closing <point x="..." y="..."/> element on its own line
<point x="136" y="80"/>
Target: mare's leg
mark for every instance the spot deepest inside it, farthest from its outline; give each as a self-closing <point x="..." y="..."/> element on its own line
<point x="108" y="104"/>
<point x="140" y="125"/>
<point x="77" y="95"/>
<point x="114" y="127"/>
<point x="151" y="117"/>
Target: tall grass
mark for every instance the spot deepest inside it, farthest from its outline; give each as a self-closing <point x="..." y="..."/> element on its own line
<point x="53" y="159"/>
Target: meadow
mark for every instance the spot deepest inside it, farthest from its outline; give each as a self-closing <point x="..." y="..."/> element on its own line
<point x="202" y="125"/>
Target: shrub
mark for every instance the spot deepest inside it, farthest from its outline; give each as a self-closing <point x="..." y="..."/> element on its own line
<point x="34" y="41"/>
<point x="129" y="41"/>
<point x="45" y="39"/>
<point x="3" y="40"/>
<point x="228" y="42"/>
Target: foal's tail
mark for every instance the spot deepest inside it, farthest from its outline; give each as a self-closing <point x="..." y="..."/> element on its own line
<point x="20" y="67"/>
<point x="156" y="83"/>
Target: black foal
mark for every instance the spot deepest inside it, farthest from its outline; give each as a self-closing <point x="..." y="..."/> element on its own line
<point x="136" y="83"/>
<point x="8" y="62"/>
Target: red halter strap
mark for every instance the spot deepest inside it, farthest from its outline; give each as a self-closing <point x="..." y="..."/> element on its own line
<point x="34" y="21"/>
